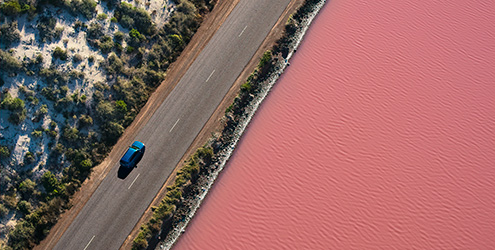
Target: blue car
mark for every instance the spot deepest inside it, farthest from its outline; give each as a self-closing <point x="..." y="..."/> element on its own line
<point x="133" y="155"/>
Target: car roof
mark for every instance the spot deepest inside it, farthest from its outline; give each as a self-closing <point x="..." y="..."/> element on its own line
<point x="128" y="155"/>
<point x="138" y="144"/>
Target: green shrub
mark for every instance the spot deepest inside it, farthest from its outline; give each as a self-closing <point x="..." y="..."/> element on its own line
<point x="87" y="163"/>
<point x="118" y="36"/>
<point x="77" y="58"/>
<point x="95" y="31"/>
<point x="59" y="149"/>
<point x="28" y="158"/>
<point x="3" y="211"/>
<point x="105" y="111"/>
<point x="10" y="200"/>
<point x="53" y="76"/>
<point x="113" y="20"/>
<point x="111" y="132"/>
<point x="16" y="106"/>
<point x="114" y="65"/>
<point x="101" y="16"/>
<point x="27" y="188"/>
<point x="58" y="32"/>
<point x="85" y="120"/>
<point x="9" y="33"/>
<point x="8" y="62"/>
<point x="12" y="104"/>
<point x="17" y="117"/>
<point x="132" y="17"/>
<point x="50" y="93"/>
<point x="37" y="133"/>
<point x="127" y="21"/>
<point x="24" y="207"/>
<point x="141" y="241"/>
<point x="11" y="8"/>
<point x="43" y="109"/>
<point x="267" y="56"/>
<point x="129" y="49"/>
<point x="106" y="44"/>
<point x="78" y="24"/>
<point x="21" y="236"/>
<point x="85" y="7"/>
<point x="135" y="38"/>
<point x="70" y="134"/>
<point x="52" y="133"/>
<point x="51" y="184"/>
<point x="46" y="28"/>
<point x="4" y="152"/>
<point x="60" y="53"/>
<point x="121" y="106"/>
<point x="246" y="87"/>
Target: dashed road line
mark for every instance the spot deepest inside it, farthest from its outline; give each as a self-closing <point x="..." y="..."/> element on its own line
<point x="210" y="75"/>
<point x="242" y="31"/>
<point x="133" y="181"/>
<point x="174" y="125"/>
<point x="89" y="242"/>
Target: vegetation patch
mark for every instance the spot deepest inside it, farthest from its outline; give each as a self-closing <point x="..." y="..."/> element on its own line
<point x="73" y="120"/>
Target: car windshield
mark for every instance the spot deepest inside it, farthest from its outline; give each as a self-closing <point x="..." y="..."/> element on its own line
<point x="134" y="147"/>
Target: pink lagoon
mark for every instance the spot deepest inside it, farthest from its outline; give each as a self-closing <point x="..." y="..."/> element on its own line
<point x="380" y="135"/>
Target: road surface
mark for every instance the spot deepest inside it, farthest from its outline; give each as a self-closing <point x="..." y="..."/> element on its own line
<point x="117" y="205"/>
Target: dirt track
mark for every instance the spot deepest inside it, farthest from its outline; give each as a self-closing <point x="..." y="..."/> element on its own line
<point x="211" y="24"/>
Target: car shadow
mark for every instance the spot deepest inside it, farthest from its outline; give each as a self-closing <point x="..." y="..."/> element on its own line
<point x="124" y="172"/>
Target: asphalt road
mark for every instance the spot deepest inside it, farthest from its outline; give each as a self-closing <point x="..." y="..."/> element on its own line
<point x="116" y="206"/>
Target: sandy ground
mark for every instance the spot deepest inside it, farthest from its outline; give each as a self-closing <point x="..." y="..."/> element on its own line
<point x="211" y="24"/>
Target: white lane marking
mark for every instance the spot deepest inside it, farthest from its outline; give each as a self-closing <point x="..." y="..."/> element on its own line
<point x="210" y="75"/>
<point x="89" y="242"/>
<point x="133" y="181"/>
<point x="242" y="31"/>
<point x="174" y="125"/>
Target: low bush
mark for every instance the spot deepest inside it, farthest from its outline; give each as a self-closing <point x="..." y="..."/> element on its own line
<point x="60" y="53"/>
<point x="132" y="17"/>
<point x="51" y="184"/>
<point x="29" y="158"/>
<point x="9" y="33"/>
<point x="111" y="132"/>
<point x="8" y="62"/>
<point x="113" y="64"/>
<point x="27" y="188"/>
<point x="102" y="16"/>
<point x="3" y="211"/>
<point x="37" y="133"/>
<point x="85" y="120"/>
<point x="46" y="28"/>
<point x="77" y="58"/>
<point x="119" y="36"/>
<point x="11" y="8"/>
<point x="70" y="134"/>
<point x="106" y="44"/>
<point x="24" y="207"/>
<point x="4" y="152"/>
<point x="85" y="7"/>
<point x="58" y="33"/>
<point x="95" y="31"/>
<point x="12" y="104"/>
<point x="135" y="38"/>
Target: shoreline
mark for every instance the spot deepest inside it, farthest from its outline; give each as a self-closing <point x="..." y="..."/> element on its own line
<point x="193" y="199"/>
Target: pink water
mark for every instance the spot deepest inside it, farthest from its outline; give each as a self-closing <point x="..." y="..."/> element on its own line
<point x="380" y="135"/>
